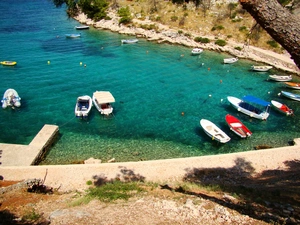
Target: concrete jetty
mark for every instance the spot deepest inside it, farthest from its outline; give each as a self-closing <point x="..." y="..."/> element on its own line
<point x="28" y="155"/>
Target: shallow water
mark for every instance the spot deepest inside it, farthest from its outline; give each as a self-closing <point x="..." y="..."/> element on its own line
<point x="160" y="96"/>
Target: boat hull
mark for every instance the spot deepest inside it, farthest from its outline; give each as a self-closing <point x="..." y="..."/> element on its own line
<point x="261" y="68"/>
<point x="82" y="27"/>
<point x="129" y="41"/>
<point x="102" y="100"/>
<point x="11" y="98"/>
<point x="213" y="131"/>
<point x="247" y="108"/>
<point x="291" y="95"/>
<point x="230" y="60"/>
<point x="196" y="51"/>
<point x="8" y="63"/>
<point x="293" y="85"/>
<point x="282" y="108"/>
<point x="83" y="106"/>
<point x="280" y="78"/>
<point x="237" y="126"/>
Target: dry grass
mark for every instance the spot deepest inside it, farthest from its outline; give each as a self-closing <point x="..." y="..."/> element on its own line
<point x="196" y="22"/>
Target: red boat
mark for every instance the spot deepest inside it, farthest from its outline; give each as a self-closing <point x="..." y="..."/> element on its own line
<point x="237" y="126"/>
<point x="282" y="108"/>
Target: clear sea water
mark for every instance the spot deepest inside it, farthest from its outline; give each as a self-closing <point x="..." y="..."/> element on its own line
<point x="160" y="96"/>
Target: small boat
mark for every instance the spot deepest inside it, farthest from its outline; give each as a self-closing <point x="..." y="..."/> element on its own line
<point x="129" y="41"/>
<point x="282" y="108"/>
<point x="196" y="51"/>
<point x="102" y="100"/>
<point x="82" y="27"/>
<point x="8" y="63"/>
<point x="230" y="60"/>
<point x="261" y="68"/>
<point x="73" y="35"/>
<point x="213" y="131"/>
<point x="251" y="110"/>
<point x="291" y="95"/>
<point x="280" y="78"/>
<point x="11" y="98"/>
<point x="83" y="106"/>
<point x="293" y="85"/>
<point x="237" y="126"/>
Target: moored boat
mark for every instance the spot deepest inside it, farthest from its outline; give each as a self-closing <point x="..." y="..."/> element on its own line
<point x="280" y="107"/>
<point x="213" y="131"/>
<point x="129" y="41"/>
<point x="8" y="63"/>
<point x="83" y="106"/>
<point x="261" y="68"/>
<point x="249" y="109"/>
<point x="293" y="85"/>
<point x="196" y="51"/>
<point x="230" y="60"/>
<point x="280" y="78"/>
<point x="11" y="98"/>
<point x="73" y="35"/>
<point x="291" y="95"/>
<point x="102" y="101"/>
<point x="82" y="27"/>
<point x="237" y="126"/>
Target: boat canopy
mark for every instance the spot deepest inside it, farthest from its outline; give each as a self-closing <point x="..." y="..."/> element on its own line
<point x="104" y="97"/>
<point x="253" y="99"/>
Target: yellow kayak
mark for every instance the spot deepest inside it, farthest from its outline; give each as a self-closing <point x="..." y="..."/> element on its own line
<point x="8" y="63"/>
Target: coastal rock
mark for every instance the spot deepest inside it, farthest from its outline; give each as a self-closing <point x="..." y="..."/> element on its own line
<point x="163" y="33"/>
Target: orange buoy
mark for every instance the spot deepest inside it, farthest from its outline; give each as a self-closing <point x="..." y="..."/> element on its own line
<point x="208" y="68"/>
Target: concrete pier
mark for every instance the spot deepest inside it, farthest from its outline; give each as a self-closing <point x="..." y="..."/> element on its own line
<point x="27" y="155"/>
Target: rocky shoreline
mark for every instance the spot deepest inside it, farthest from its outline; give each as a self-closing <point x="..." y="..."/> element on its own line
<point x="166" y="34"/>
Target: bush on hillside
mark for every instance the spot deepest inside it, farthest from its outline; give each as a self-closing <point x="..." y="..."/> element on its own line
<point x="220" y="42"/>
<point x="201" y="40"/>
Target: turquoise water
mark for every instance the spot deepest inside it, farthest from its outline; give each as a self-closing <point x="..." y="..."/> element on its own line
<point x="160" y="96"/>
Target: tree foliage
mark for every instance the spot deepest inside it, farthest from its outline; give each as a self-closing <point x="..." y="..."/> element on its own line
<point x="94" y="9"/>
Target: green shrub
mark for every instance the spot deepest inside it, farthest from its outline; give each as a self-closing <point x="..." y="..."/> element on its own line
<point x="174" y="18"/>
<point x="180" y="32"/>
<point x="273" y="43"/>
<point x="114" y="191"/>
<point x="243" y="28"/>
<point x="218" y="27"/>
<point x="201" y="40"/>
<point x="220" y="42"/>
<point x="238" y="48"/>
<point x="124" y="13"/>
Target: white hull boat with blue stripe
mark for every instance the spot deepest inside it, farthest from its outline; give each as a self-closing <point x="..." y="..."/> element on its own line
<point x="249" y="109"/>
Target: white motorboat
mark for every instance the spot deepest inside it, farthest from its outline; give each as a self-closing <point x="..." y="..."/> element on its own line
<point x="83" y="106"/>
<point x="213" y="131"/>
<point x="251" y="110"/>
<point x="280" y="78"/>
<point x="129" y="41"/>
<point x="73" y="35"/>
<point x="230" y="60"/>
<point x="196" y="51"/>
<point x="102" y="101"/>
<point x="261" y="68"/>
<point x="11" y="98"/>
<point x="82" y="27"/>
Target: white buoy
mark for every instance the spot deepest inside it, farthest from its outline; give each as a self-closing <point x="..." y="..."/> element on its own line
<point x="209" y="96"/>
<point x="48" y="62"/>
<point x="80" y="63"/>
<point x="221" y="99"/>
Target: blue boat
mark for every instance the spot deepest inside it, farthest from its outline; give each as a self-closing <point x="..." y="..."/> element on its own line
<point x="291" y="95"/>
<point x="243" y="106"/>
